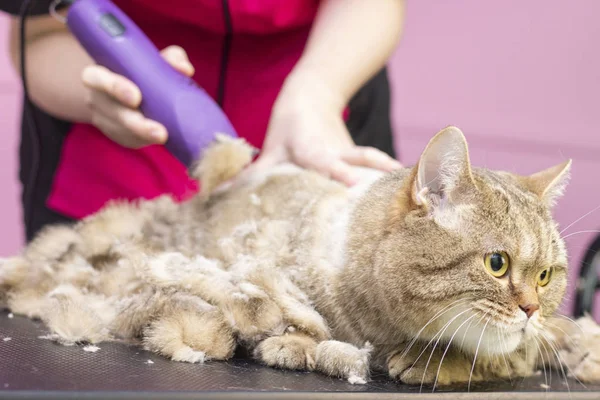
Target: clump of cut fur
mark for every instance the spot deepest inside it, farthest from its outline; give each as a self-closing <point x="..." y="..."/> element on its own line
<point x="337" y="358"/>
<point x="222" y="161"/>
<point x="74" y="318"/>
<point x="303" y="271"/>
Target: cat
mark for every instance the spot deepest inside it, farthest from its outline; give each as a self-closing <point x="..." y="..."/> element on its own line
<point x="440" y="273"/>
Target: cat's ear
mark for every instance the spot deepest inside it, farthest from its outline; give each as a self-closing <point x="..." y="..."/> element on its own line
<point x="550" y="183"/>
<point x="444" y="169"/>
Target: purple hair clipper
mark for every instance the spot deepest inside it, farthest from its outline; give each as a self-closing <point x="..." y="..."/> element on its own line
<point x="113" y="40"/>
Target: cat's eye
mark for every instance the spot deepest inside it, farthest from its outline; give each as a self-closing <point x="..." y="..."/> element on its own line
<point x="497" y="263"/>
<point x="544" y="277"/>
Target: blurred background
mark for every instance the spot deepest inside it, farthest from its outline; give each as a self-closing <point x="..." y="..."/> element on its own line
<point x="521" y="79"/>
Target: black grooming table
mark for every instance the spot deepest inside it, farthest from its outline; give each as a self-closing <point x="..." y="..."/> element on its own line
<point x="31" y="368"/>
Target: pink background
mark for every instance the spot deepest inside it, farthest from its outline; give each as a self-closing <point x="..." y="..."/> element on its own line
<point x="521" y="79"/>
<point x="11" y="231"/>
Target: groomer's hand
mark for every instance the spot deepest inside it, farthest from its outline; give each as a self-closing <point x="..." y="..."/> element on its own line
<point x="114" y="100"/>
<point x="307" y="128"/>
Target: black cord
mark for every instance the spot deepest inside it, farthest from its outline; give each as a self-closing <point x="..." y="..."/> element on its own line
<point x="29" y="115"/>
<point x="225" y="52"/>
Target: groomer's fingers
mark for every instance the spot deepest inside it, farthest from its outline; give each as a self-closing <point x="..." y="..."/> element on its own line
<point x="177" y="57"/>
<point x="327" y="163"/>
<point x="114" y="132"/>
<point x="131" y="127"/>
<point x="370" y="157"/>
<point x="341" y="171"/>
<point x="263" y="163"/>
<point x="97" y="77"/>
<point x="267" y="160"/>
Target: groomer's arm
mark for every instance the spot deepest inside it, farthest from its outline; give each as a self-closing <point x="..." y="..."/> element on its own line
<point x="351" y="41"/>
<point x="65" y="82"/>
<point x="54" y="64"/>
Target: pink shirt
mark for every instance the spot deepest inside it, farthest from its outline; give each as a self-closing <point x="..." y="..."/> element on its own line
<point x="267" y="41"/>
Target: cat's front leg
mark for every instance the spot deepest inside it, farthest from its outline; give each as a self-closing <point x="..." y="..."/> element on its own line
<point x="426" y="364"/>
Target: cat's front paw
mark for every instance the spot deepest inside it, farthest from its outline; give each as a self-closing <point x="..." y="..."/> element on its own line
<point x="418" y="367"/>
<point x="412" y="372"/>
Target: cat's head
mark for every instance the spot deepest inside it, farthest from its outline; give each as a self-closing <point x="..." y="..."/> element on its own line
<point x="474" y="253"/>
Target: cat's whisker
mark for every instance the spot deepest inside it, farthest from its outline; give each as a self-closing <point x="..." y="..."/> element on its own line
<point x="579" y="219"/>
<point x="550" y="366"/>
<point x="571" y="320"/>
<point x="444" y="310"/>
<point x="437" y="335"/>
<point x="438" y="341"/>
<point x="483" y="314"/>
<point x="567" y="335"/>
<point x="537" y="343"/>
<point x="560" y="363"/>
<point x="447" y="347"/>
<point x="559" y="359"/>
<point x="526" y="360"/>
<point x="579" y="232"/>
<point x="504" y="348"/>
<point x="476" y="352"/>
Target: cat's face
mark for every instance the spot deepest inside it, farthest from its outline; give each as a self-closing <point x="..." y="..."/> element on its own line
<point x="474" y="254"/>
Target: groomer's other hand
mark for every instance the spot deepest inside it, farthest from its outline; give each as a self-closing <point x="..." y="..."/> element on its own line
<point x="114" y="100"/>
<point x="307" y="128"/>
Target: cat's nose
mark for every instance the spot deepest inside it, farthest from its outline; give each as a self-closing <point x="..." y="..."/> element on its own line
<point x="529" y="309"/>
